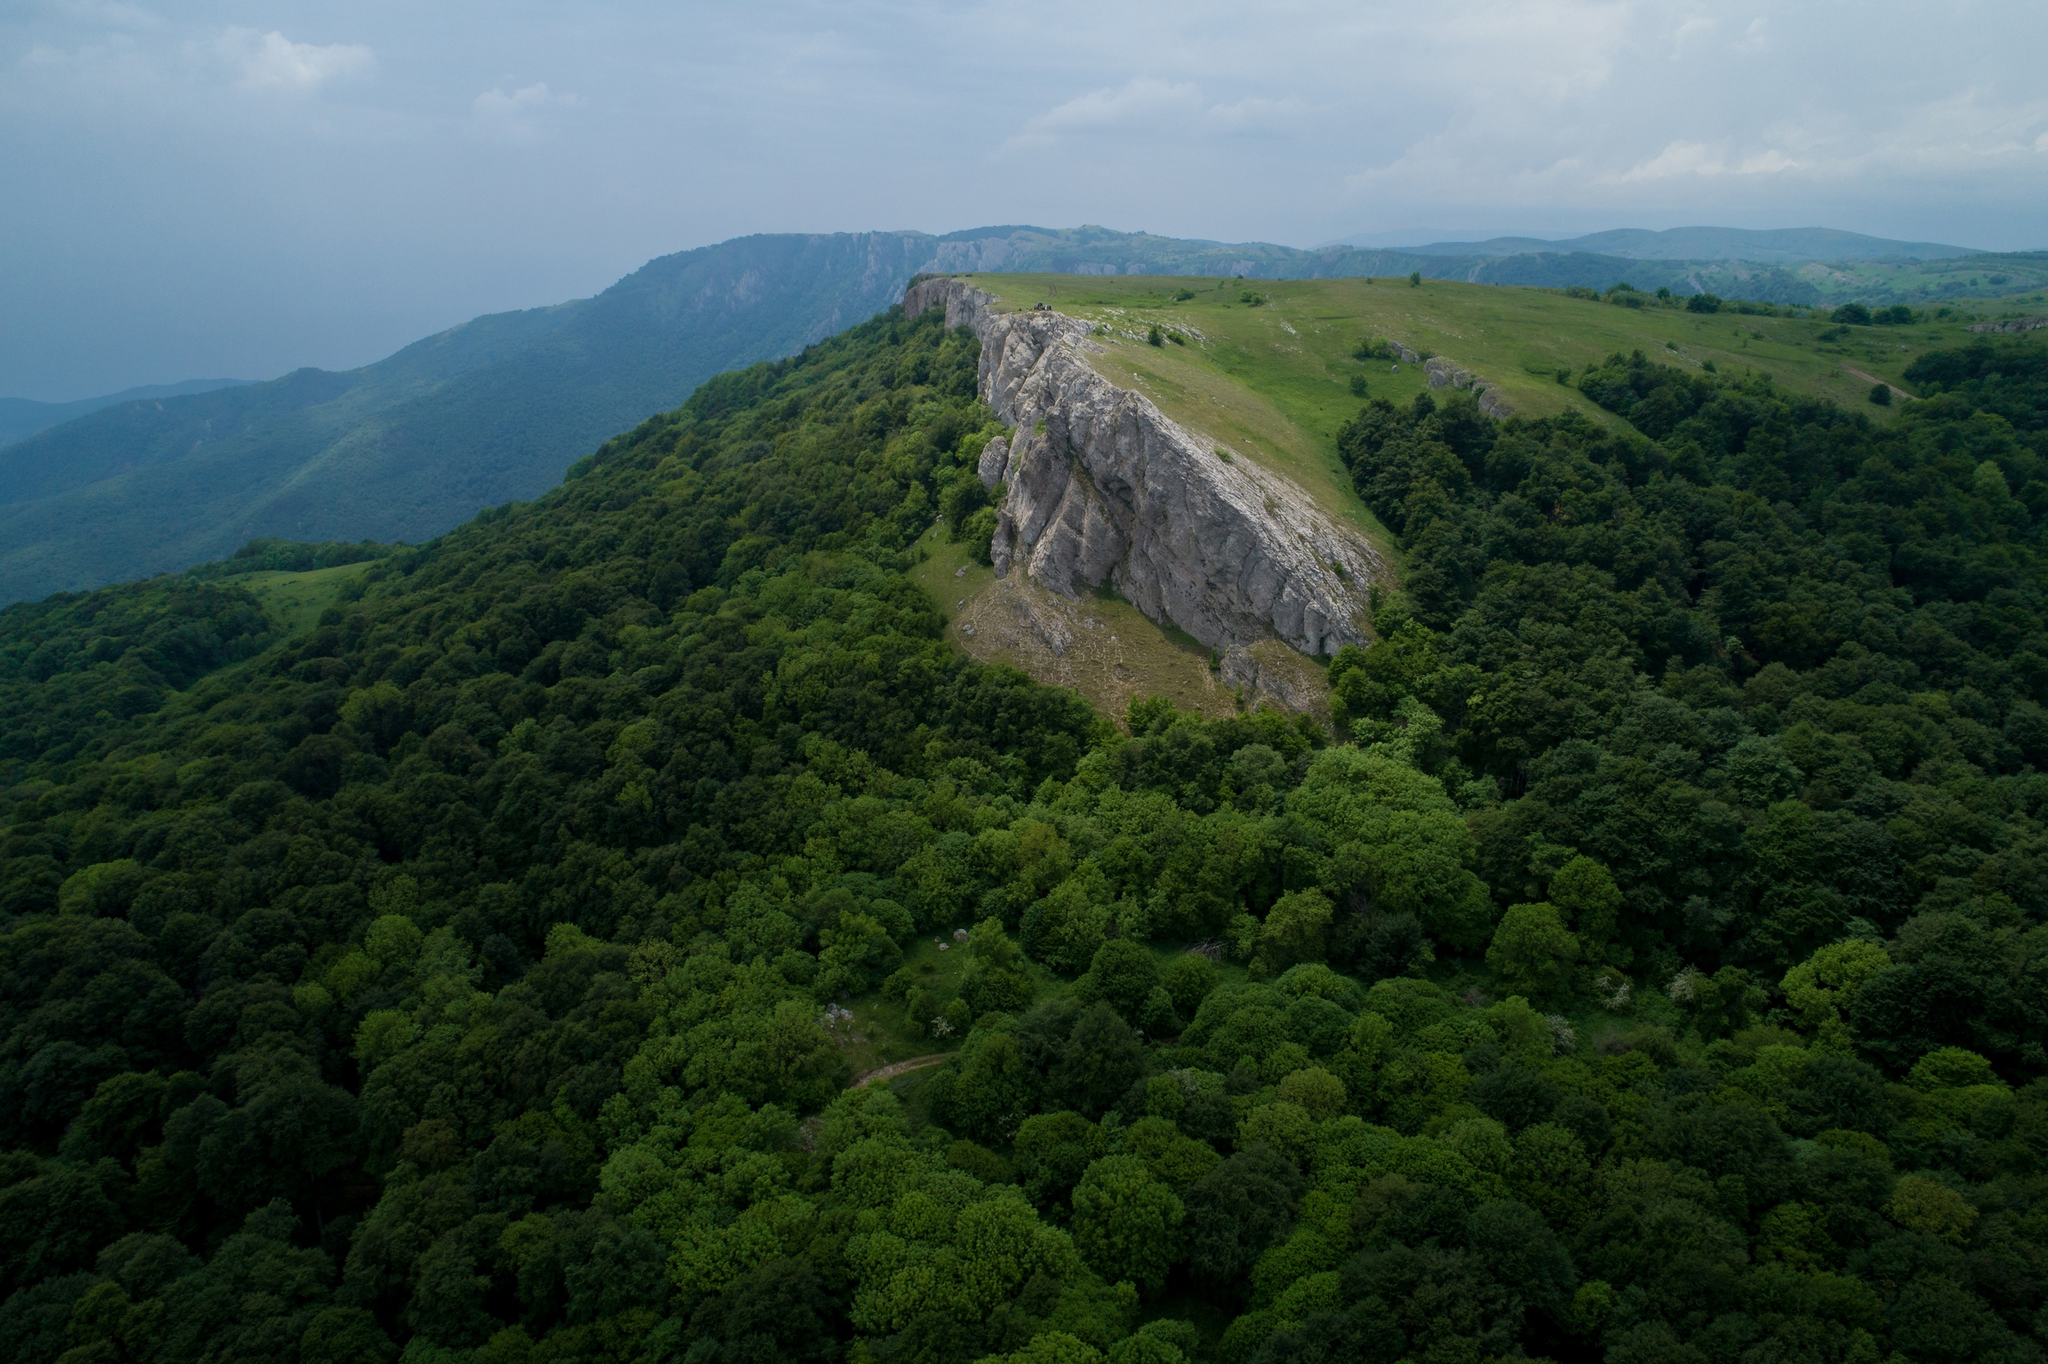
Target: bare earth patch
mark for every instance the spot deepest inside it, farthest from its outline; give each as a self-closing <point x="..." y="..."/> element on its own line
<point x="890" y="1072"/>
<point x="1104" y="647"/>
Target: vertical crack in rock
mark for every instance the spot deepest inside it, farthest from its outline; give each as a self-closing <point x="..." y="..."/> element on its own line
<point x="1104" y="487"/>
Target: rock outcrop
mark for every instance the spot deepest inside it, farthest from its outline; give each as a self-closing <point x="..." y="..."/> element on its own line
<point x="1443" y="374"/>
<point x="1265" y="669"/>
<point x="1104" y="488"/>
<point x="995" y="462"/>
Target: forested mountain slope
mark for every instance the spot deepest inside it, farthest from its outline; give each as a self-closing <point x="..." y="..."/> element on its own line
<point x="21" y="417"/>
<point x="1651" y="966"/>
<point x="410" y="446"/>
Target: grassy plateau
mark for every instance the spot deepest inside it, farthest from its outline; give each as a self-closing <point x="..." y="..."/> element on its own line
<point x="1266" y="367"/>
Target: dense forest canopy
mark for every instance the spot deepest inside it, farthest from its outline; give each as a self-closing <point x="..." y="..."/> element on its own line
<point x="1647" y="962"/>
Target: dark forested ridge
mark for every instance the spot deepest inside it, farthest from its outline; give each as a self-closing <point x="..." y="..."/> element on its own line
<point x="1655" y="971"/>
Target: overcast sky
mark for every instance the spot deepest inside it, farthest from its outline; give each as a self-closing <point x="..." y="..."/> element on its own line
<point x="237" y="189"/>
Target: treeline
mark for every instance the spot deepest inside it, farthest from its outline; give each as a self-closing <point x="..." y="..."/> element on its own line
<point x="1648" y="966"/>
<point x="290" y="556"/>
<point x="75" y="665"/>
<point x="1622" y="294"/>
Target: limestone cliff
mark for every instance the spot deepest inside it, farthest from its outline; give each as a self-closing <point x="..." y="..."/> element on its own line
<point x="1103" y="487"/>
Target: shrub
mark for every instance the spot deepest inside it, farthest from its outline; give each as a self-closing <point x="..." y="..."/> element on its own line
<point x="979" y="531"/>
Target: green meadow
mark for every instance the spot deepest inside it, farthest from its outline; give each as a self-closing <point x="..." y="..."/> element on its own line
<point x="1268" y="367"/>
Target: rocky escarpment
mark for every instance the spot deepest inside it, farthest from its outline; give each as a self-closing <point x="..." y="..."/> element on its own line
<point x="1102" y="488"/>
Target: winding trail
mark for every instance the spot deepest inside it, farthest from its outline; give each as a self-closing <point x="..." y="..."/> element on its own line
<point x="1872" y="378"/>
<point x="890" y="1072"/>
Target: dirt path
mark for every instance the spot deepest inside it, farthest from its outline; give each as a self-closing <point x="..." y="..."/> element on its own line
<point x="890" y="1072"/>
<point x="1873" y="379"/>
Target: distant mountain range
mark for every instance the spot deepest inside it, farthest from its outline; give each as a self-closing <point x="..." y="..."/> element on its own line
<point x="1778" y="245"/>
<point x="494" y="410"/>
<point x="23" y="417"/>
<point x="483" y="413"/>
<point x="1895" y="275"/>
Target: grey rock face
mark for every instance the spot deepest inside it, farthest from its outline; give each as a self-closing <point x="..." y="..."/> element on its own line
<point x="1443" y="374"/>
<point x="995" y="462"/>
<point x="1103" y="487"/>
<point x="1301" y="688"/>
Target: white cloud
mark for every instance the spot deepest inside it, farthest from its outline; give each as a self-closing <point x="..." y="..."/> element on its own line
<point x="1695" y="26"/>
<point x="1768" y="163"/>
<point x="518" y="113"/>
<point x="1145" y="103"/>
<point x="271" y="61"/>
<point x="1696" y="158"/>
<point x="1256" y="115"/>
<point x="1294" y="121"/>
<point x="1151" y="107"/>
<point x="1677" y="158"/>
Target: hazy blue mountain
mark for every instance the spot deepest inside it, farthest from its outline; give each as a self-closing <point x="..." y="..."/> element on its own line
<point x="1783" y="244"/>
<point x="1101" y="251"/>
<point x="21" y="417"/>
<point x="491" y="411"/>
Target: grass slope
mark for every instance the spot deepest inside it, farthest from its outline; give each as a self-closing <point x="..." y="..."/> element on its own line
<point x="295" y="600"/>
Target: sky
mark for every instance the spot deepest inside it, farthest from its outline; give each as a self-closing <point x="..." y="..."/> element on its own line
<point x="238" y="189"/>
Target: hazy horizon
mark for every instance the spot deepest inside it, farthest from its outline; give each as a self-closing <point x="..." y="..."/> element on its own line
<point x="246" y="188"/>
<point x="1388" y="240"/>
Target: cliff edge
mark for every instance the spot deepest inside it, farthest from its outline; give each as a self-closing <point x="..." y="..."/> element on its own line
<point x="1104" y="487"/>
